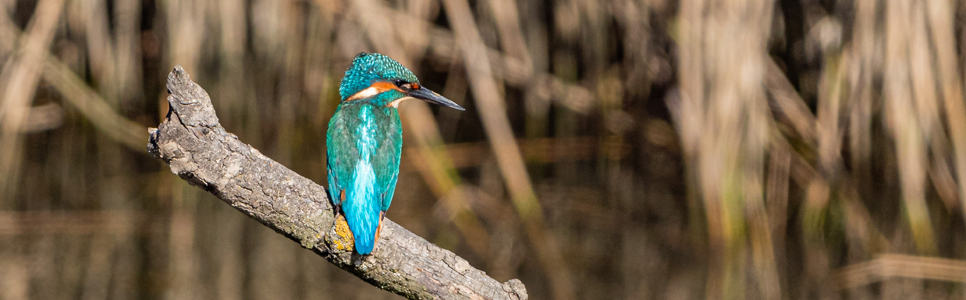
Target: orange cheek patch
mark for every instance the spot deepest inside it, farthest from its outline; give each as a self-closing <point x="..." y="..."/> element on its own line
<point x="376" y="88"/>
<point x="384" y="86"/>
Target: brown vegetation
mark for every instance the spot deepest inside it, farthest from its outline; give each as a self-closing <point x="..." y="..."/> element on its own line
<point x="610" y="149"/>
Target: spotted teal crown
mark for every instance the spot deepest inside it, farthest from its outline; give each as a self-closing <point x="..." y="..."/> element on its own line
<point x="369" y="67"/>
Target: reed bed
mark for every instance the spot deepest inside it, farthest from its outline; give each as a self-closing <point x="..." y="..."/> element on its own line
<point x="610" y="149"/>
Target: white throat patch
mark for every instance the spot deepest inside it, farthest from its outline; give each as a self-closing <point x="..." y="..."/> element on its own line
<point x="395" y="103"/>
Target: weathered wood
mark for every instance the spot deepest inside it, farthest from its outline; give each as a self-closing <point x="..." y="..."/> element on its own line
<point x="200" y="151"/>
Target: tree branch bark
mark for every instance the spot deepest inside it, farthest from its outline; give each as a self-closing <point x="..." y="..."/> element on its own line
<point x="200" y="151"/>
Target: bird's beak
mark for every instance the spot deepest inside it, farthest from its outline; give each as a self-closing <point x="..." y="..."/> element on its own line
<point x="432" y="97"/>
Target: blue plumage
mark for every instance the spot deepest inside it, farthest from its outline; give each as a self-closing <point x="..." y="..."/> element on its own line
<point x="364" y="142"/>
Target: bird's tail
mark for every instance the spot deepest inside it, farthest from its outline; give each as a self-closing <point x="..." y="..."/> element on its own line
<point x="361" y="212"/>
<point x="363" y="222"/>
<point x="364" y="242"/>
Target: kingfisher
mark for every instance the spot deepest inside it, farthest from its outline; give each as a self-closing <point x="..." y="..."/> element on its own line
<point x="364" y="141"/>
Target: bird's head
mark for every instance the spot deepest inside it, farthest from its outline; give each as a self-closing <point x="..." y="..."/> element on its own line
<point x="384" y="81"/>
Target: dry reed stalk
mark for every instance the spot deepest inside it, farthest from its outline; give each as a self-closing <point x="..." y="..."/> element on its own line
<point x="185" y="20"/>
<point x="863" y="51"/>
<point x="89" y="103"/>
<point x="18" y="83"/>
<point x="100" y="48"/>
<point x="940" y="16"/>
<point x="830" y="106"/>
<point x="9" y="32"/>
<point x="789" y="107"/>
<point x="816" y="257"/>
<point x="127" y="46"/>
<point x="905" y="126"/>
<point x="420" y="12"/>
<point x="776" y="196"/>
<point x="380" y="33"/>
<point x="43" y="117"/>
<point x="493" y="114"/>
<point x="687" y="110"/>
<point x="233" y="39"/>
<point x="455" y="89"/>
<point x="928" y="104"/>
<point x="921" y="62"/>
<point x="516" y="56"/>
<point x="723" y="63"/>
<point x="887" y="266"/>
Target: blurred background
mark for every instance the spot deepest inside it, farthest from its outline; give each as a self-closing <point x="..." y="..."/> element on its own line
<point x="625" y="149"/>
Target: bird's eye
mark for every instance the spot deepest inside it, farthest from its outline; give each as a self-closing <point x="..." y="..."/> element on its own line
<point x="406" y="85"/>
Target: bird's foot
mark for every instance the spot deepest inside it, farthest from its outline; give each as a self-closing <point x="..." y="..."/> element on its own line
<point x="346" y="240"/>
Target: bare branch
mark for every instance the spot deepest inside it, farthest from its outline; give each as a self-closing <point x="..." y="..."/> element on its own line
<point x="200" y="151"/>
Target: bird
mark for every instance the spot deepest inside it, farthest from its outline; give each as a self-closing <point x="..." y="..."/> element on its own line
<point x="364" y="141"/>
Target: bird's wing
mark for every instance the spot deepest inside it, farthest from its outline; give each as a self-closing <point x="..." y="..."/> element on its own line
<point x="340" y="153"/>
<point x="386" y="162"/>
